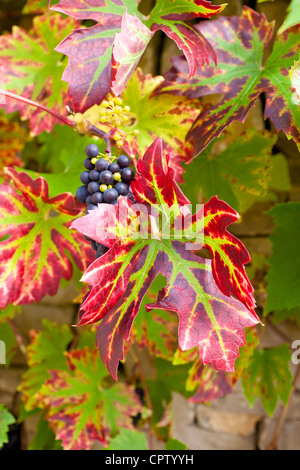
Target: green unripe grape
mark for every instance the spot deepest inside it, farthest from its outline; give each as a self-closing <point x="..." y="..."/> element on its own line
<point x="117" y="176"/>
<point x="103" y="188"/>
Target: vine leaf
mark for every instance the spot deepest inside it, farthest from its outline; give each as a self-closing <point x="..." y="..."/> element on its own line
<point x="134" y="37"/>
<point x="129" y="45"/>
<point x="204" y="382"/>
<point x="224" y="170"/>
<point x="294" y="74"/>
<point x="45" y="352"/>
<point x="36" y="243"/>
<point x="80" y="407"/>
<point x="268" y="377"/>
<point x="156" y="332"/>
<point x="12" y="140"/>
<point x="173" y="22"/>
<point x="229" y="255"/>
<point x="6" y="419"/>
<point x="211" y="384"/>
<point x="128" y="439"/>
<point x="109" y="60"/>
<point x="208" y="317"/>
<point x="292" y="17"/>
<point x="30" y="68"/>
<point x="90" y="48"/>
<point x="241" y="76"/>
<point x="286" y="219"/>
<point x="35" y="7"/>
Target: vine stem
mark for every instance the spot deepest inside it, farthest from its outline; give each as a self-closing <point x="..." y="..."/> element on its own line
<point x="18" y="336"/>
<point x="273" y="444"/>
<point x="80" y="123"/>
<point x="57" y="115"/>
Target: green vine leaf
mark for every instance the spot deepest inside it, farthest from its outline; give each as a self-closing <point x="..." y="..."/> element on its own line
<point x="45" y="351"/>
<point x="33" y="69"/>
<point x="223" y="169"/>
<point x="287" y="226"/>
<point x="268" y="377"/>
<point x="6" y="419"/>
<point x="128" y="439"/>
<point x="81" y="407"/>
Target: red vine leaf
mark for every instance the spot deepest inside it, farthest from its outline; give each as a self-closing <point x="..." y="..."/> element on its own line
<point x="212" y="384"/>
<point x="35" y="240"/>
<point x="106" y="54"/>
<point x="89" y="49"/>
<point x="207" y="383"/>
<point x="241" y="76"/>
<point x="194" y="45"/>
<point x="155" y="179"/>
<point x="229" y="255"/>
<point x="172" y="16"/>
<point x="119" y="279"/>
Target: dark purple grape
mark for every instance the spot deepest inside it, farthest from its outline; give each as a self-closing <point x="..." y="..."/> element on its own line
<point x="94" y="245"/>
<point x="101" y="249"/>
<point x="131" y="197"/>
<point x="97" y="198"/>
<point x="92" y="150"/>
<point x="82" y="193"/>
<point x="127" y="175"/>
<point x="101" y="164"/>
<point x="93" y="187"/>
<point x="123" y="161"/>
<point x="114" y="167"/>
<point x="110" y="195"/>
<point x="88" y="199"/>
<point x="91" y="207"/>
<point x="106" y="177"/>
<point x="88" y="164"/>
<point x="122" y="189"/>
<point x="85" y="177"/>
<point x="94" y="175"/>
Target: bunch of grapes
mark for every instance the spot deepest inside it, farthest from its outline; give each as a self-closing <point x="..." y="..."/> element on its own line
<point x="103" y="181"/>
